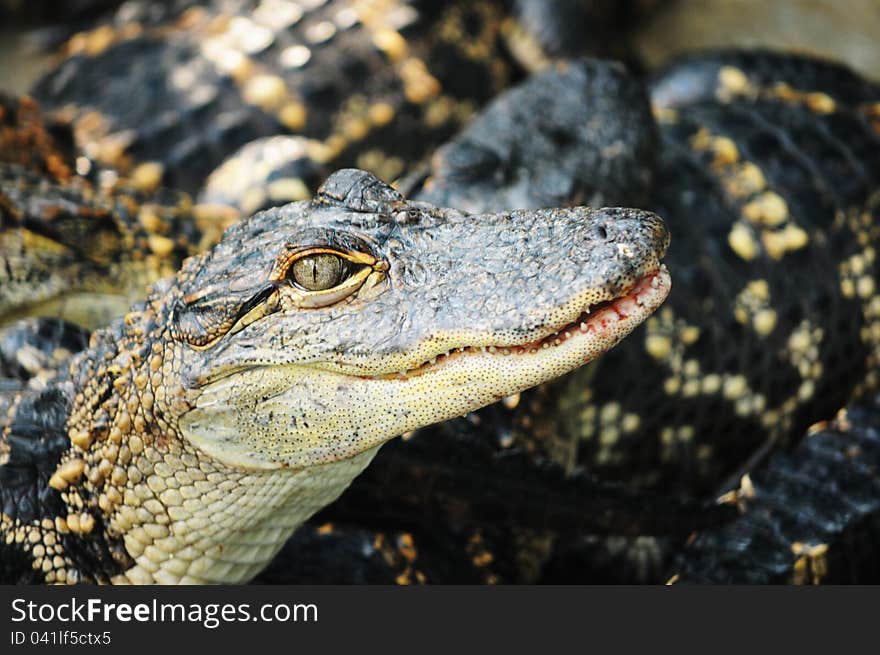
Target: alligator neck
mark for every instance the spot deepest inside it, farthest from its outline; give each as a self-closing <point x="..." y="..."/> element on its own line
<point x="221" y="525"/>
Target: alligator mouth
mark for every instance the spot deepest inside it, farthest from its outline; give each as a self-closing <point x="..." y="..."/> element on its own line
<point x="264" y="417"/>
<point x="560" y="349"/>
<point x="607" y="322"/>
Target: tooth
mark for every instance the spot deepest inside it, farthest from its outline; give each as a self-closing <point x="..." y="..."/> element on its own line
<point x="626" y="307"/>
<point x="544" y="345"/>
<point x="402" y="374"/>
<point x="492" y="349"/>
<point x="532" y="351"/>
<point x="557" y="342"/>
<point x="583" y="327"/>
<point x="434" y="360"/>
<point x="506" y="351"/>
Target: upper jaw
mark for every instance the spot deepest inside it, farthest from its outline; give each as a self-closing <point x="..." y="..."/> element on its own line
<point x="597" y="321"/>
<point x="522" y="309"/>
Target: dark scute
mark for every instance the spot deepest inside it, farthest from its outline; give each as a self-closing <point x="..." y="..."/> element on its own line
<point x="37" y="439"/>
<point x="825" y="491"/>
<point x="15" y="566"/>
<point x="358" y="191"/>
<point x="579" y="133"/>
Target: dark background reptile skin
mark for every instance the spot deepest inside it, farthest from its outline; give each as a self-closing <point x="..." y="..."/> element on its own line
<point x="848" y="30"/>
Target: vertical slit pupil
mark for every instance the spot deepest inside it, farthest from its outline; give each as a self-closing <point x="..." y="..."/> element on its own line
<point x="318" y="272"/>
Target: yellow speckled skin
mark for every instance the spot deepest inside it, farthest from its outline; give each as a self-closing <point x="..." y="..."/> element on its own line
<point x="197" y="521"/>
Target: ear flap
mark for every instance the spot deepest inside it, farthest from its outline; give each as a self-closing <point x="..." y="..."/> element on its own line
<point x="358" y="191"/>
<point x="214" y="312"/>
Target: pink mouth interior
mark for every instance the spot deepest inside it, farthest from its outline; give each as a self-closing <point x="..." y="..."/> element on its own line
<point x="598" y="317"/>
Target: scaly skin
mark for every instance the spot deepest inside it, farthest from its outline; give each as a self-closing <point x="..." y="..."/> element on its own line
<point x="371" y="83"/>
<point x="80" y="248"/>
<point x="739" y="134"/>
<point x="374" y="82"/>
<point x="194" y="435"/>
<point x="809" y="516"/>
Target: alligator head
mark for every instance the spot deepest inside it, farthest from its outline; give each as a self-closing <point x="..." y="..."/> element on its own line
<point x="324" y="328"/>
<point x="266" y="374"/>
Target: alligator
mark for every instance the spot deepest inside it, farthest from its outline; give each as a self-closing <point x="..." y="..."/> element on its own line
<point x="78" y="242"/>
<point x="747" y="155"/>
<point x="492" y="162"/>
<point x="368" y="83"/>
<point x="196" y="433"/>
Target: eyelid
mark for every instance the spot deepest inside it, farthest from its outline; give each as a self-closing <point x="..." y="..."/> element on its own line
<point x="282" y="266"/>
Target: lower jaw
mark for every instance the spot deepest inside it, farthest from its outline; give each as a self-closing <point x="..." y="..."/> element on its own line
<point x="584" y="340"/>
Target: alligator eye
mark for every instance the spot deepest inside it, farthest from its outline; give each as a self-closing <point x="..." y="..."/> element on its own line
<point x="318" y="272"/>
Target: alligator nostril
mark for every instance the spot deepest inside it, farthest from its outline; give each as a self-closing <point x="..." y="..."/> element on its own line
<point x="601" y="232"/>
